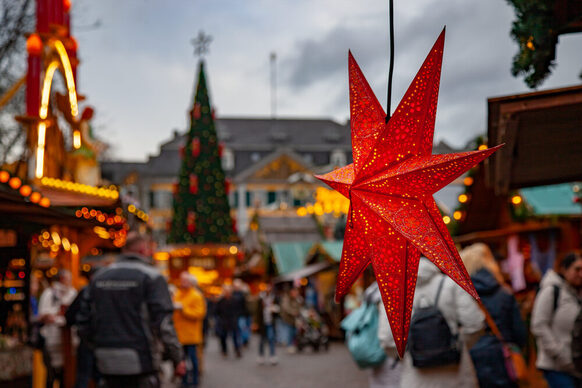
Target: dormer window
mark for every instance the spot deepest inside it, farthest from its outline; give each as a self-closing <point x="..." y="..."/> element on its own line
<point x="338" y="158"/>
<point x="227" y="159"/>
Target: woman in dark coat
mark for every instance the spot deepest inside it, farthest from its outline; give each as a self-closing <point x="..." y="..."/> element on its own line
<point x="487" y="354"/>
<point x="226" y="321"/>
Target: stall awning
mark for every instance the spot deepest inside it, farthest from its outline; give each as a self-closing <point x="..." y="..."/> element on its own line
<point x="333" y="249"/>
<point x="290" y="256"/>
<point x="552" y="200"/>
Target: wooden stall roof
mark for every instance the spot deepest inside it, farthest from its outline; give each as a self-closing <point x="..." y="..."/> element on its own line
<point x="14" y="208"/>
<point x="542" y="132"/>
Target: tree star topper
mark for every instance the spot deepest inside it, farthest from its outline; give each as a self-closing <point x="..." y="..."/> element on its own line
<point x="393" y="218"/>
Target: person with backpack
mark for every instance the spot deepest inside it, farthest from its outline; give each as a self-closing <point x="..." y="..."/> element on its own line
<point x="487" y="354"/>
<point x="446" y="321"/>
<point x="387" y="374"/>
<point x="556" y="308"/>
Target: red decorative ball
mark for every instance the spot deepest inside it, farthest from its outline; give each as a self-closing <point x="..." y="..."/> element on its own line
<point x="196" y="111"/>
<point x="195" y="147"/>
<point x="193" y="184"/>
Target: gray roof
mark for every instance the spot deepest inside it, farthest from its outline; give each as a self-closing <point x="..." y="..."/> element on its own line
<point x="267" y="134"/>
<point x="250" y="138"/>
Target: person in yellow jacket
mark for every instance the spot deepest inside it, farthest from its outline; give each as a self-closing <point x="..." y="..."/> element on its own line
<point x="189" y="313"/>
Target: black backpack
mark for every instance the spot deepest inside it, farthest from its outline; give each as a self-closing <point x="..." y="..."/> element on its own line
<point x="430" y="341"/>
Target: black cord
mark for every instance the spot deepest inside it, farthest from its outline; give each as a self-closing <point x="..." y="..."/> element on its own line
<point x="388" y="108"/>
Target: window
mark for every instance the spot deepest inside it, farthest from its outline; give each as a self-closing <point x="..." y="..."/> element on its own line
<point x="162" y="199"/>
<point x="227" y="159"/>
<point x="337" y="158"/>
<point x="271" y="197"/>
<point x="255" y="157"/>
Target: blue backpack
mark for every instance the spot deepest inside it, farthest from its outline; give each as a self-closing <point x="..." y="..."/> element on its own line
<point x="361" y="327"/>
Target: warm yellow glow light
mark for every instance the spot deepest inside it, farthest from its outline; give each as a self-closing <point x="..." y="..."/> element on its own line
<point x="468" y="181"/>
<point x="463" y="198"/>
<point x="80" y="188"/>
<point x="45" y="95"/>
<point x="56" y="238"/>
<point x="233" y="250"/>
<point x="68" y="76"/>
<point x="74" y="249"/>
<point x="46" y="88"/>
<point x="516" y="199"/>
<point x="162" y="256"/>
<point x="447" y="220"/>
<point x="482" y="147"/>
<point x="77" y="139"/>
<point x="66" y="244"/>
<point x="457" y="215"/>
<point x="44" y="202"/>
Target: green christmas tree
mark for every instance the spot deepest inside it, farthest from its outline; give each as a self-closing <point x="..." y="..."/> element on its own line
<point x="201" y="209"/>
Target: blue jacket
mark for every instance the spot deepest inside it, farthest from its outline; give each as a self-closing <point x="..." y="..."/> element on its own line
<point x="487" y="354"/>
<point x="502" y="306"/>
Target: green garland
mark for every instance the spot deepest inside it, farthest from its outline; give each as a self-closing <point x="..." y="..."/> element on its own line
<point x="535" y="33"/>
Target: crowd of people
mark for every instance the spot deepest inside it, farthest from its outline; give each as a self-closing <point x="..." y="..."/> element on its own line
<point x="130" y="325"/>
<point x="486" y="333"/>
<point x="130" y="328"/>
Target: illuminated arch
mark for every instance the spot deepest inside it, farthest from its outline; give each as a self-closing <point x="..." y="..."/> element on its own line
<point x="64" y="63"/>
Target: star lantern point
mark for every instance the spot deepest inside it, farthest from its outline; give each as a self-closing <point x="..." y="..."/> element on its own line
<point x="393" y="218"/>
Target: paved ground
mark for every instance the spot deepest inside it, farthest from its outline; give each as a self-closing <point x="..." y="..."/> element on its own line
<point x="331" y="369"/>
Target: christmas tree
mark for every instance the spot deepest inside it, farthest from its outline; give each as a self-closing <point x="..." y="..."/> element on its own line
<point x="201" y="209"/>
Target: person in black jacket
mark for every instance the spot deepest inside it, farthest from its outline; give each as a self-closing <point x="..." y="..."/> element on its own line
<point x="126" y="314"/>
<point x="226" y="313"/>
<point x="487" y="354"/>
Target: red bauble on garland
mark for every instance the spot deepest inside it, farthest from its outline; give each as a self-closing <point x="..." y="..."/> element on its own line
<point x="193" y="184"/>
<point x="196" y="111"/>
<point x="227" y="186"/>
<point x="191" y="222"/>
<point x="195" y="147"/>
<point x="220" y="149"/>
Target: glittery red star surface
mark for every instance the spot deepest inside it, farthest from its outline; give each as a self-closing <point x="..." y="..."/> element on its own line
<point x="393" y="218"/>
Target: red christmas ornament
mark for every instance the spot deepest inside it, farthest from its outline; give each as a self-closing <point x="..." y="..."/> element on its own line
<point x="196" y="111"/>
<point x="191" y="222"/>
<point x="393" y="217"/>
<point x="195" y="147"/>
<point x="220" y="149"/>
<point x="193" y="183"/>
<point x="227" y="186"/>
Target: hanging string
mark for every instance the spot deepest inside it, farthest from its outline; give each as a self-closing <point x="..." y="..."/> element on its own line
<point x="391" y="70"/>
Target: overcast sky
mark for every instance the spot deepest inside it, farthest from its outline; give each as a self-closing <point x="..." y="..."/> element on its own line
<point x="138" y="68"/>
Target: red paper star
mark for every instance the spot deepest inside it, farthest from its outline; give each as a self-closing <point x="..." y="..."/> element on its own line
<point x="393" y="217"/>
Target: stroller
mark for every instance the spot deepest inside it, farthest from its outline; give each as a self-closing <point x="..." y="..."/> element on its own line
<point x="311" y="331"/>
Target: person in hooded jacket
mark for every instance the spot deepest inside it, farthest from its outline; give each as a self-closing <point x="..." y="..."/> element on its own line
<point x="556" y="307"/>
<point x="487" y="353"/>
<point x="463" y="316"/>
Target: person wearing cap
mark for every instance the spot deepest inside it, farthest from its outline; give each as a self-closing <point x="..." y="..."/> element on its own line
<point x="189" y="313"/>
